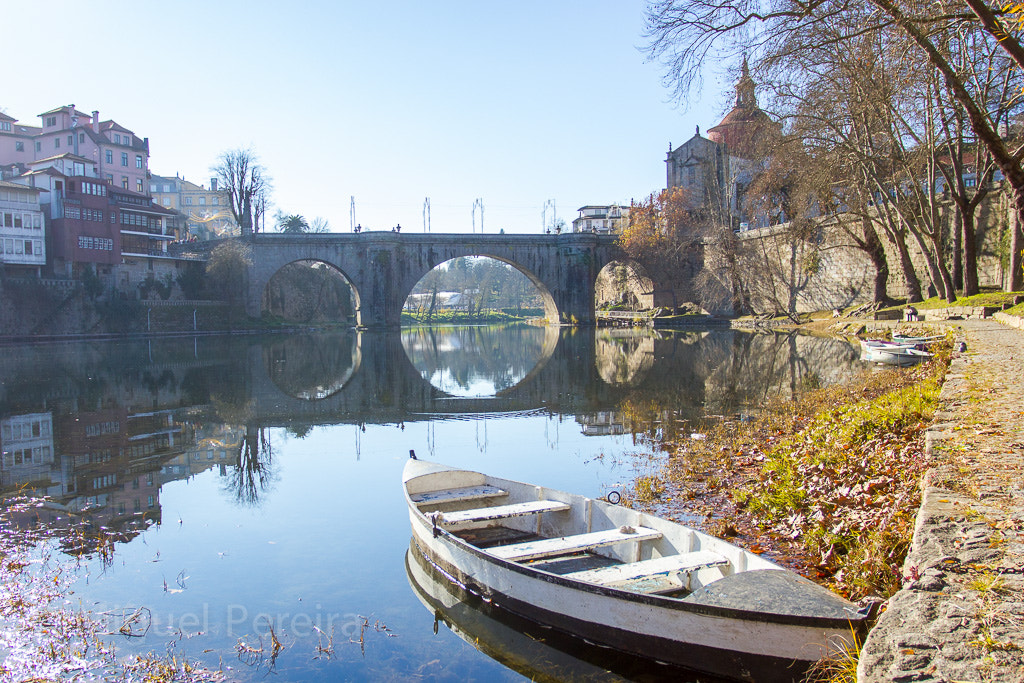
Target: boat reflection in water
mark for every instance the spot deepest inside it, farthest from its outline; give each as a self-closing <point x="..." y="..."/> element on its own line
<point x="538" y="653"/>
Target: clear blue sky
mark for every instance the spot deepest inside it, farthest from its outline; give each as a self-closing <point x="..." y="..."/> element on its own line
<point x="390" y="102"/>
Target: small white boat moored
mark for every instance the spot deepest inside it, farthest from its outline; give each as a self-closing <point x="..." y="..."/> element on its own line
<point x="622" y="578"/>
<point x="892" y="353"/>
<point x="909" y="339"/>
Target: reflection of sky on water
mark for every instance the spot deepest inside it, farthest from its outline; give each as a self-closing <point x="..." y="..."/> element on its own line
<point x="474" y="386"/>
<point x="159" y="430"/>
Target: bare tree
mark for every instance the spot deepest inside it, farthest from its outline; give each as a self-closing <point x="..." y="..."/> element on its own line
<point x="248" y="186"/>
<point x="687" y="34"/>
<point x="664" y="233"/>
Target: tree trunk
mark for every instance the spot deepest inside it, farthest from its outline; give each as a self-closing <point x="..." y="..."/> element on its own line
<point x="943" y="271"/>
<point x="970" y="253"/>
<point x="1015" y="281"/>
<point x="910" y="279"/>
<point x="932" y="264"/>
<point x="956" y="229"/>
<point x="875" y="250"/>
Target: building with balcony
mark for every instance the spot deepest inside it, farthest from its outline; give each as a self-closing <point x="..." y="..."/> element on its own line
<point x="121" y="234"/>
<point x="22" y="230"/>
<point x="145" y="229"/>
<point x="603" y="220"/>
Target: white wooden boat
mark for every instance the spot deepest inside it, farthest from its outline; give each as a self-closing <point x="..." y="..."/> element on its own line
<point x="624" y="579"/>
<point x="908" y="339"/>
<point x="892" y="353"/>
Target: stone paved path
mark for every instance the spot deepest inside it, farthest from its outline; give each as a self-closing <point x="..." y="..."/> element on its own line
<point x="960" y="615"/>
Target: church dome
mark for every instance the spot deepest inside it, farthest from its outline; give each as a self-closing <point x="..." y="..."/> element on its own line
<point x="746" y="130"/>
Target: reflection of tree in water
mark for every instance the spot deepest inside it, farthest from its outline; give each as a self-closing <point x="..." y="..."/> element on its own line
<point x="253" y="473"/>
<point x="723" y="374"/>
<point x="458" y="360"/>
<point x="312" y="367"/>
<point x="760" y="367"/>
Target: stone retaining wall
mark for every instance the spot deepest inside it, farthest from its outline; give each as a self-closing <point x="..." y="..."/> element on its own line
<point x="1010" y="320"/>
<point x="830" y="272"/>
<point x="958" y="313"/>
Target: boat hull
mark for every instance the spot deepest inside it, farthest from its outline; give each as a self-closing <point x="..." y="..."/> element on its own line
<point x="733" y="643"/>
<point x="536" y="651"/>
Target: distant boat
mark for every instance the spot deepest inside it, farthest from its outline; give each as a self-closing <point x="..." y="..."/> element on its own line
<point x="906" y="339"/>
<point x="902" y="354"/>
<point x="622" y="578"/>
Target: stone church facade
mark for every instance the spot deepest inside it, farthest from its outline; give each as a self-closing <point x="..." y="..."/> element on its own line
<point x="716" y="170"/>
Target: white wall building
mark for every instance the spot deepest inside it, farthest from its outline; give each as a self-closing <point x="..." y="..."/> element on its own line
<point x="22" y="229"/>
<point x="603" y="220"/>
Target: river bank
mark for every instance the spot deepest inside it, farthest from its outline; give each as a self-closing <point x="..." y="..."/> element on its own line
<point x="955" y="612"/>
<point x="960" y="612"/>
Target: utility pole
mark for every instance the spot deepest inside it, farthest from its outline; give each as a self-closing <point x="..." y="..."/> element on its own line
<point x="426" y="215"/>
<point x="544" y="215"/>
<point x="478" y="202"/>
<point x="352" y="213"/>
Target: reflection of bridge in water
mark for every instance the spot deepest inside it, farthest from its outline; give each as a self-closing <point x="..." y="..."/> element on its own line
<point x="80" y="420"/>
<point x="368" y="377"/>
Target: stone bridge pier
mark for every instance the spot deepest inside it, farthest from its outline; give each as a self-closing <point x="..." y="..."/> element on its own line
<point x="383" y="267"/>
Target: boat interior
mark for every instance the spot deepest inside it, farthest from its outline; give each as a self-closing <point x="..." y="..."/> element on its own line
<point x="577" y="537"/>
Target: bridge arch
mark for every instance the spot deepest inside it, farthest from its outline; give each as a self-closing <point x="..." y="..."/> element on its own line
<point x="289" y="293"/>
<point x="385" y="267"/>
<point x="551" y="312"/>
<point x="624" y="281"/>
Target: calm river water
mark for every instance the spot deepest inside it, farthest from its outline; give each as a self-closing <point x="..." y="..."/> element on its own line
<point x="254" y="481"/>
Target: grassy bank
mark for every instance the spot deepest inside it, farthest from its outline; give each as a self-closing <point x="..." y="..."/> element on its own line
<point x="461" y="318"/>
<point x="827" y="485"/>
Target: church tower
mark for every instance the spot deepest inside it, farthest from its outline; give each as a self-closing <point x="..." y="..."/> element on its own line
<point x="746" y="131"/>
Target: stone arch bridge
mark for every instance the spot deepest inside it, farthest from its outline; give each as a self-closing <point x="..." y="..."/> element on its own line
<point x="383" y="267"/>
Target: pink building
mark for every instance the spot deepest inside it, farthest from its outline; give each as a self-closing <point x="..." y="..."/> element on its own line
<point x="16" y="144"/>
<point x="121" y="157"/>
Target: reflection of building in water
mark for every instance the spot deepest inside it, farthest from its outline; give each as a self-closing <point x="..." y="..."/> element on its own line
<point x="103" y="467"/>
<point x="115" y="456"/>
<point x="214" y="445"/>
<point x="26" y="442"/>
<point x="604" y="423"/>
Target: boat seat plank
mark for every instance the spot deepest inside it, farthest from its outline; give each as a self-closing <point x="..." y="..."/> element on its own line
<point x="532" y="507"/>
<point x="649" y="569"/>
<point x="566" y="545"/>
<point x="464" y="493"/>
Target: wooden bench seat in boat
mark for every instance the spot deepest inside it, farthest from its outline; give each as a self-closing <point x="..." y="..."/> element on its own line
<point x="566" y="545"/>
<point x="456" y="495"/>
<point x="532" y="507"/>
<point x="651" y="576"/>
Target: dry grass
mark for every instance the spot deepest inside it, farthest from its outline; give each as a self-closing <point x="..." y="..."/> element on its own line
<point x="46" y="637"/>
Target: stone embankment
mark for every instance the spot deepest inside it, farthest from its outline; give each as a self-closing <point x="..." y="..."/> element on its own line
<point x="960" y="614"/>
